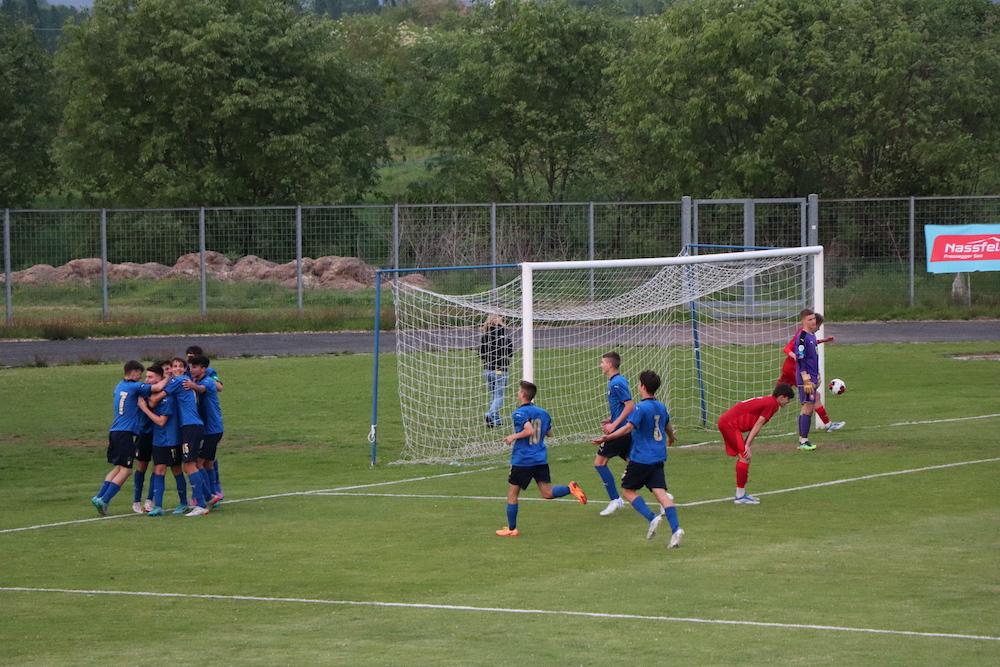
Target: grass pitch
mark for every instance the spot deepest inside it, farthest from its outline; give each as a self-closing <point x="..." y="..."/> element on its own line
<point x="881" y="547"/>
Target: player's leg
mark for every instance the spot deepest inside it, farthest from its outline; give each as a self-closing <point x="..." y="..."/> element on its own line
<point x="209" y="448"/>
<point x="543" y="479"/>
<point x="180" y="482"/>
<point x="161" y="457"/>
<point x="633" y="480"/>
<point x="517" y="480"/>
<point x="143" y="455"/>
<point x="122" y="453"/>
<point x="666" y="501"/>
<point x="619" y="447"/>
<point x="808" y="402"/>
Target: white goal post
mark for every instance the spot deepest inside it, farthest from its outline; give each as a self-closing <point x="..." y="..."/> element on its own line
<point x="713" y="326"/>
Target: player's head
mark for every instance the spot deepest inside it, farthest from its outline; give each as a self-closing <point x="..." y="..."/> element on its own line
<point x="178" y="366"/>
<point x="133" y="370"/>
<point x="493" y="321"/>
<point x="154" y="373"/>
<point x="164" y="367"/>
<point x="805" y="312"/>
<point x="610" y="362"/>
<point x="819" y="320"/>
<point x="527" y="391"/>
<point x="198" y="362"/>
<point x="649" y="381"/>
<point x="783" y="391"/>
<point x="193" y="351"/>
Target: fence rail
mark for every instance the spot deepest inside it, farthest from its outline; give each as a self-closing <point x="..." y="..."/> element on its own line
<point x="106" y="263"/>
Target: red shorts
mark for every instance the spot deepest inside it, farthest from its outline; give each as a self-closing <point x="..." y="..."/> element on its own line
<point x="733" y="437"/>
<point x="788" y="373"/>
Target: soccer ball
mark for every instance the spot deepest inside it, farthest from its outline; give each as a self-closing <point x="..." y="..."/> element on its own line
<point x="837" y="386"/>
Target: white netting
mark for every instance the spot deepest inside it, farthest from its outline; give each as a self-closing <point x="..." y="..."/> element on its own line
<point x="713" y="331"/>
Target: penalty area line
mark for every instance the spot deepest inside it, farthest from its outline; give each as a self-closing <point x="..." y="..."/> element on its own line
<point x="507" y="610"/>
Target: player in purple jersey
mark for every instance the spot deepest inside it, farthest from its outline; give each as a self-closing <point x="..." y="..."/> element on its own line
<point x="529" y="457"/>
<point x="807" y="376"/>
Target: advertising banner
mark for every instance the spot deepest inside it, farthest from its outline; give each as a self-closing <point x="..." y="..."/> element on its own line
<point x="962" y="248"/>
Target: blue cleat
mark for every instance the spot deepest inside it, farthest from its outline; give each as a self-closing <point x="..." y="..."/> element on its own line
<point x="102" y="507"/>
<point x="181" y="509"/>
<point x="156" y="511"/>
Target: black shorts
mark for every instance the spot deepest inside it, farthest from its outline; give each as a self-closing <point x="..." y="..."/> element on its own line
<point x="144" y="447"/>
<point x="167" y="456"/>
<point x="191" y="442"/>
<point x="638" y="475"/>
<point x="210" y="446"/>
<point x="121" y="448"/>
<point x="618" y="447"/>
<point x="522" y="475"/>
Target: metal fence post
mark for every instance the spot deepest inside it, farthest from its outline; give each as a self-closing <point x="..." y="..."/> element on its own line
<point x="913" y="230"/>
<point x="395" y="237"/>
<point x="201" y="260"/>
<point x="8" y="304"/>
<point x="685" y="223"/>
<point x="493" y="243"/>
<point x="298" y="256"/>
<point x="590" y="244"/>
<point x="749" y="240"/>
<point x="812" y="238"/>
<point x="104" y="264"/>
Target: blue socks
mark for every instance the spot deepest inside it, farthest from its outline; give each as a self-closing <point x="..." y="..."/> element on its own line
<point x="672" y="519"/>
<point x="104" y="488"/>
<point x="216" y="484"/>
<point x="609" y="481"/>
<point x="512" y="515"/>
<point x="110" y="493"/>
<point x="139" y="480"/>
<point x="157" y="485"/>
<point x="558" y="492"/>
<point x="196" y="484"/>
<point x="640" y="506"/>
<point x="182" y="488"/>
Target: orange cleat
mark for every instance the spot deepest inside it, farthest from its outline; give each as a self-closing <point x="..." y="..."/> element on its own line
<point x="575" y="489"/>
<point x="507" y="532"/>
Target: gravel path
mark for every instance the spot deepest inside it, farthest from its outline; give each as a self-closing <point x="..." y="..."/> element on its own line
<point x="31" y="352"/>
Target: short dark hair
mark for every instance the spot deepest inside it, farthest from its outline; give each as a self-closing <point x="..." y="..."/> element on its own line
<point x="199" y="360"/>
<point x="133" y="365"/>
<point x="529" y="389"/>
<point x="194" y="350"/>
<point x="650" y="380"/>
<point x="783" y="389"/>
<point x="806" y="311"/>
<point x="156" y="368"/>
<point x="614" y="357"/>
<point x="819" y="318"/>
<point x="161" y="364"/>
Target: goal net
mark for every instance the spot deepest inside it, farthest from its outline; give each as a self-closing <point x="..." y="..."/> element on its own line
<point x="713" y="327"/>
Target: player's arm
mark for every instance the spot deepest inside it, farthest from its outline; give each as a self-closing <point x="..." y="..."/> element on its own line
<point x="191" y="384"/>
<point x="154" y="399"/>
<point x="671" y="433"/>
<point x="526" y="432"/>
<point x="159" y="386"/>
<point x="617" y="433"/>
<point x="828" y="339"/>
<point x="159" y="420"/>
<point x="609" y="426"/>
<point x="753" y="433"/>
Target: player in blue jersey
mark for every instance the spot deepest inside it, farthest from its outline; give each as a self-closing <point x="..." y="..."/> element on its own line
<point x="165" y="419"/>
<point x="192" y="428"/>
<point x="121" y="435"/>
<point x="529" y="458"/>
<point x="620" y="406"/>
<point x="144" y="445"/>
<point x="651" y="432"/>
<point x="211" y="414"/>
<point x="807" y="375"/>
<point x="213" y="473"/>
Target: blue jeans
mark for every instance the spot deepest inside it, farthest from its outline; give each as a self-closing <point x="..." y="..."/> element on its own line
<point x="496" y="384"/>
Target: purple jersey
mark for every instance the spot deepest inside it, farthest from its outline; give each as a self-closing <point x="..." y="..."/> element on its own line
<point x="806" y="357"/>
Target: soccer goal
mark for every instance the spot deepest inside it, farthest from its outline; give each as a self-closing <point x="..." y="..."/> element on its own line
<point x="713" y="326"/>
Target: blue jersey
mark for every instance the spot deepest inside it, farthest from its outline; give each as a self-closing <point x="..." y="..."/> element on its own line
<point x="806" y="357"/>
<point x="169" y="434"/>
<point x="530" y="451"/>
<point x="187" y="401"/>
<point x="649" y="431"/>
<point x="126" y="409"/>
<point x="145" y="425"/>
<point x="208" y="406"/>
<point x="618" y="394"/>
<point x="210" y="373"/>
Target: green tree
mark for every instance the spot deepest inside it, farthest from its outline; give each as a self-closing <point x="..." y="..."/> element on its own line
<point x="28" y="114"/>
<point x="786" y="97"/>
<point x="514" y="97"/>
<point x="180" y="102"/>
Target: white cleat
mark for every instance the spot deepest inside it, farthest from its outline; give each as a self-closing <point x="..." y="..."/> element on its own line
<point x="137" y="508"/>
<point x="613" y="507"/>
<point x="835" y="426"/>
<point x="653" y="525"/>
<point x="197" y="511"/>
<point x="148" y="505"/>
<point x="675" y="539"/>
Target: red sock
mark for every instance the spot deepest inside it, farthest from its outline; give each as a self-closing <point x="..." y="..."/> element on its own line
<point x="821" y="411"/>
<point x="742" y="474"/>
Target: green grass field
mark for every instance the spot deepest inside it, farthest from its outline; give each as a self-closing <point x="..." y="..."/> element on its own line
<point x="317" y="558"/>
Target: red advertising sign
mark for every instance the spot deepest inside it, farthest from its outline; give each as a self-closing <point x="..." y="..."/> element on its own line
<point x="965" y="247"/>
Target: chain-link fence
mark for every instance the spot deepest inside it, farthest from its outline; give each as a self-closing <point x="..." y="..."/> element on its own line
<point x="233" y="263"/>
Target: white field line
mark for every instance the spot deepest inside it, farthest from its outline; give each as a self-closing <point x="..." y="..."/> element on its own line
<point x="246" y="500"/>
<point x="772" y="436"/>
<point x="727" y="499"/>
<point x="504" y="610"/>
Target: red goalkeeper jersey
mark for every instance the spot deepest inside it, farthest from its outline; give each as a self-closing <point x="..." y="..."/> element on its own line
<point x="745" y="414"/>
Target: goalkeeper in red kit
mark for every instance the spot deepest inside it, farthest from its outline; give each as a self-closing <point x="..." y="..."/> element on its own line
<point x="749" y="415"/>
<point x="789" y="377"/>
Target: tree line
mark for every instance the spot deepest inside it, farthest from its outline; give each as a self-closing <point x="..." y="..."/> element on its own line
<point x="255" y="102"/>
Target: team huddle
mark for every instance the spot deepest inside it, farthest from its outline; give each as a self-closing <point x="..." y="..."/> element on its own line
<point x="640" y="432"/>
<point x="167" y="414"/>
